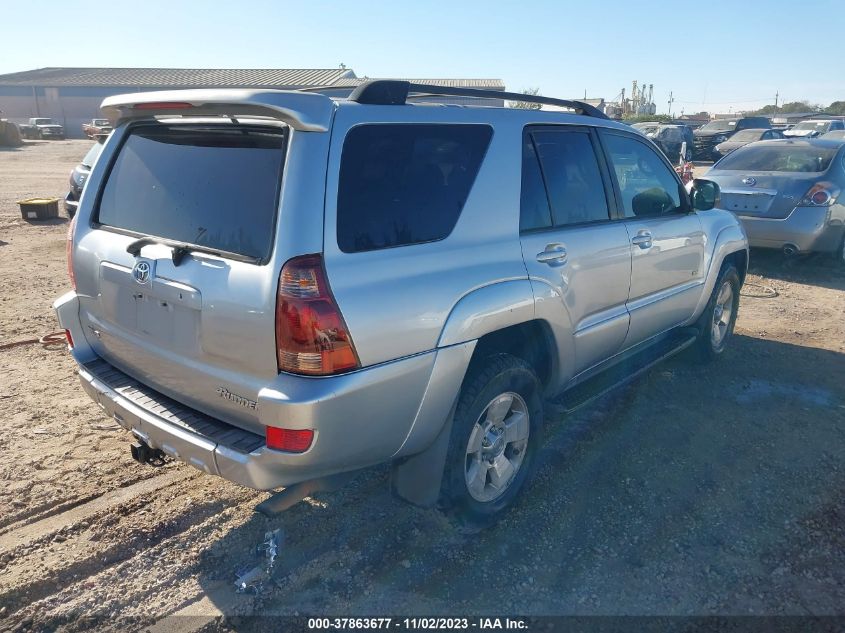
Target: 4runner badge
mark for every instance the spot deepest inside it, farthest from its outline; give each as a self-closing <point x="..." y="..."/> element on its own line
<point x="233" y="397"/>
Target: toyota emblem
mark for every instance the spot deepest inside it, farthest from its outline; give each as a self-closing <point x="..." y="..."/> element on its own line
<point x="141" y="272"/>
<point x="749" y="180"/>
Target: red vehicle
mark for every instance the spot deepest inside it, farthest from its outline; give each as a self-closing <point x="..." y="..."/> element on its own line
<point x="96" y="126"/>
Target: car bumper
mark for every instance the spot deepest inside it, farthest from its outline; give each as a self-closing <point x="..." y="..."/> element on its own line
<point x="359" y="419"/>
<point x="808" y="229"/>
<point x="71" y="205"/>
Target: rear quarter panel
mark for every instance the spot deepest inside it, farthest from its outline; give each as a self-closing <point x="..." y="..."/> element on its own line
<point x="396" y="301"/>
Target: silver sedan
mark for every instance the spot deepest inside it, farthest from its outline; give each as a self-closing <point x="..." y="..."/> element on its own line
<point x="787" y="193"/>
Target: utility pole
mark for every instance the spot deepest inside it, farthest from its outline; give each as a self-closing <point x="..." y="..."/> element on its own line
<point x="671" y="101"/>
<point x="777" y="94"/>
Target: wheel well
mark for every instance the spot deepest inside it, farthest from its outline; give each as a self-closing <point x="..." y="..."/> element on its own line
<point x="531" y="341"/>
<point x="740" y="260"/>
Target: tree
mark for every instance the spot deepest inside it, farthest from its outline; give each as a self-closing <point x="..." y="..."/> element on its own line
<point x="837" y="107"/>
<point x="528" y="105"/>
<point x="790" y="108"/>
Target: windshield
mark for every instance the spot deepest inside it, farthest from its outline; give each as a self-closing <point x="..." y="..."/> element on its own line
<point x="101" y="121"/>
<point x="91" y="155"/>
<point x="212" y="186"/>
<point x="747" y="135"/>
<point x="785" y="158"/>
<point x="718" y="126"/>
<point x="43" y="121"/>
<point x="812" y="125"/>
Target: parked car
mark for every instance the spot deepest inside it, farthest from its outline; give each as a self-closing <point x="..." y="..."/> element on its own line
<point x="836" y="135"/>
<point x="787" y="194"/>
<point x="744" y="137"/>
<point x="42" y="127"/>
<point x="411" y="293"/>
<point x="814" y="127"/>
<point x="669" y="138"/>
<point x="96" y="126"/>
<point x="719" y="131"/>
<point x="79" y="176"/>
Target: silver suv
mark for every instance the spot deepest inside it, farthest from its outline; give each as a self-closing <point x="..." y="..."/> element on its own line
<point x="278" y="287"/>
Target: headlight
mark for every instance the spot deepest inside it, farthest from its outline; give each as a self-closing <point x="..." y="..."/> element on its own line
<point x="721" y="138"/>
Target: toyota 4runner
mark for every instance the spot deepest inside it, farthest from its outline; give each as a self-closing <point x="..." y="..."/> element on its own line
<point x="278" y="288"/>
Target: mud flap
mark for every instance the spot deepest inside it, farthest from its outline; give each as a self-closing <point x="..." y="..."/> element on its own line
<point x="417" y="478"/>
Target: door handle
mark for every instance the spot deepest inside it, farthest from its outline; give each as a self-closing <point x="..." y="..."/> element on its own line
<point x="554" y="254"/>
<point x="643" y="239"/>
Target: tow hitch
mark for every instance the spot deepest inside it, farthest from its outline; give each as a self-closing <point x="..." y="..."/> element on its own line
<point x="143" y="453"/>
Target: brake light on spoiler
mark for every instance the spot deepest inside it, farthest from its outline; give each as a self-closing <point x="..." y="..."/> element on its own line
<point x="163" y="105"/>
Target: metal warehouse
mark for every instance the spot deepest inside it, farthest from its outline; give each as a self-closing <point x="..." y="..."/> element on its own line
<point x="72" y="96"/>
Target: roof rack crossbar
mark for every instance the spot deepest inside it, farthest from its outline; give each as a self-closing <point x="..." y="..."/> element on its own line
<point x="396" y="92"/>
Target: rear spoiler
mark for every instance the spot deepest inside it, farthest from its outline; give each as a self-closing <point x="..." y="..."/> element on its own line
<point x="306" y="111"/>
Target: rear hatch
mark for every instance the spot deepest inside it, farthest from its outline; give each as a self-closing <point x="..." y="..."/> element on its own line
<point x="175" y="268"/>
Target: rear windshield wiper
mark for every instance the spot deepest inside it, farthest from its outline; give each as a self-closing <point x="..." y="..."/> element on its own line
<point x="180" y="249"/>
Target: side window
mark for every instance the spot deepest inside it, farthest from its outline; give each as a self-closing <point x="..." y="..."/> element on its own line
<point x="534" y="210"/>
<point x="648" y="186"/>
<point x="405" y="184"/>
<point x="571" y="173"/>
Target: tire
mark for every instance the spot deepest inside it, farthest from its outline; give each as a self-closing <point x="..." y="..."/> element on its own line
<point x="715" y="328"/>
<point x="469" y="493"/>
<point x="840" y="253"/>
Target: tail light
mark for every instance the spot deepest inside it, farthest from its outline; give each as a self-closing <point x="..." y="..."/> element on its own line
<point x="822" y="194"/>
<point x="311" y="336"/>
<point x="289" y="440"/>
<point x="69" y="338"/>
<point x="69" y="252"/>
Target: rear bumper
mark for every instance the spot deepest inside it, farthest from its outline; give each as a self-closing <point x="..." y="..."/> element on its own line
<point x="359" y="419"/>
<point x="809" y="229"/>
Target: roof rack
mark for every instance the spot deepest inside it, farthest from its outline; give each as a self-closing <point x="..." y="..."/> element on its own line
<point x="395" y="92"/>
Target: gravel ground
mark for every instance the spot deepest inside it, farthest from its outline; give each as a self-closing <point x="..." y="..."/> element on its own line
<point x="697" y="491"/>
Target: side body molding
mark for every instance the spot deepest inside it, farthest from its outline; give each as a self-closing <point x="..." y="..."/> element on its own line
<point x="488" y="309"/>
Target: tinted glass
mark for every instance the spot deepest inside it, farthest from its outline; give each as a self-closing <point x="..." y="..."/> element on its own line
<point x="749" y="135"/>
<point x="718" y="126"/>
<point x="786" y="158"/>
<point x="648" y="186"/>
<point x="211" y="186"/>
<point x="534" y="207"/>
<point x="405" y="184"/>
<point x="572" y="176"/>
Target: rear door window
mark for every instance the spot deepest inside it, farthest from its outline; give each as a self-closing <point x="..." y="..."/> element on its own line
<point x="212" y="186"/>
<point x="572" y="176"/>
<point x="404" y="184"/>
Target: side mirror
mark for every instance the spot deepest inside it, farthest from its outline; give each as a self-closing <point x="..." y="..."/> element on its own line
<point x="704" y="194"/>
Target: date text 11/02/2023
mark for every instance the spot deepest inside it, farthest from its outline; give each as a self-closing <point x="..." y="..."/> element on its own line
<point x="423" y="623"/>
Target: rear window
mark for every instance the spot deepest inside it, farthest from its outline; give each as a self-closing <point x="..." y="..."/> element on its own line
<point x="405" y="184"/>
<point x="211" y="186"/>
<point x="747" y="135"/>
<point x="785" y="158"/>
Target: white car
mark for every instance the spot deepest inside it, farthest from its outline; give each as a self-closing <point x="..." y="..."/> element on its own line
<point x="814" y="127"/>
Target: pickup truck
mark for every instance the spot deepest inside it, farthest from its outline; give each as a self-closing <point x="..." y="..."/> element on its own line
<point x="41" y="127"/>
<point x="279" y="288"/>
<point x="96" y="126"/>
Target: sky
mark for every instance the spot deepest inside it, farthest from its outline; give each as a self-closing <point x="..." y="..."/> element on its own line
<point x="709" y="55"/>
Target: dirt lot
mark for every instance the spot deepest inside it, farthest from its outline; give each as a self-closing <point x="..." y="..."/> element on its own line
<point x="701" y="490"/>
